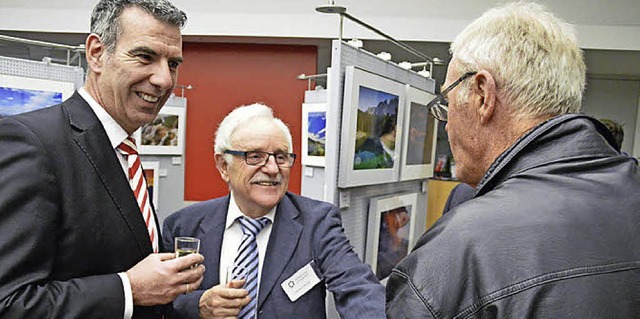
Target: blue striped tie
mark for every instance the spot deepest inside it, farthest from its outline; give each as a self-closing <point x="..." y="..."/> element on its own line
<point x="248" y="258"/>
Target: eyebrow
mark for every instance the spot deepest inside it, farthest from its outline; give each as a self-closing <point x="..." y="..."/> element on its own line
<point x="150" y="51"/>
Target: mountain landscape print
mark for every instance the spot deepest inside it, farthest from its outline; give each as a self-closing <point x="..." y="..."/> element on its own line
<point x="316" y="133"/>
<point x="14" y="101"/>
<point x="375" y="129"/>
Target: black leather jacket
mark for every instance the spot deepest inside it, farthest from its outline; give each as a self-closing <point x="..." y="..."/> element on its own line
<point x="553" y="232"/>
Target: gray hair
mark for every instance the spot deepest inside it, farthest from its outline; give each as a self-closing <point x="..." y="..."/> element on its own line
<point x="243" y="115"/>
<point x="533" y="55"/>
<point x="105" y="20"/>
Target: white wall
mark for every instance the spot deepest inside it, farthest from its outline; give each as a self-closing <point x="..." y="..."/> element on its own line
<point x="617" y="100"/>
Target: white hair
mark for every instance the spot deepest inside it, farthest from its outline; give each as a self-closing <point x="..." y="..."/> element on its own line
<point x="533" y="56"/>
<point x="243" y="115"/>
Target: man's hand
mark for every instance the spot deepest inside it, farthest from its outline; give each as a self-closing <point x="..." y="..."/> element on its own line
<point x="223" y="302"/>
<point x="160" y="278"/>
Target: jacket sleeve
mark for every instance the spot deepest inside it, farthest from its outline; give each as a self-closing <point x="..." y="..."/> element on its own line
<point x="30" y="214"/>
<point x="356" y="290"/>
<point x="403" y="299"/>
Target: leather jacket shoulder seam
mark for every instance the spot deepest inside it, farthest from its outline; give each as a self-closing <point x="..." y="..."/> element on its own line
<point x="416" y="291"/>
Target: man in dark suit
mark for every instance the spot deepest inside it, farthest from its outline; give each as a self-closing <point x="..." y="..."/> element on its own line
<point x="302" y="249"/>
<point x="74" y="243"/>
<point x="459" y="194"/>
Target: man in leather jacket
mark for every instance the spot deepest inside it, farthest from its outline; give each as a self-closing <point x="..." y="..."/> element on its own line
<point x="553" y="229"/>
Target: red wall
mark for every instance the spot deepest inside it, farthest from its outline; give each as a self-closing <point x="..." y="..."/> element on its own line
<point x="224" y="76"/>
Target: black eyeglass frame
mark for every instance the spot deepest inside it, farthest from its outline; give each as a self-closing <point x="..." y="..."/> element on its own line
<point x="244" y="154"/>
<point x="440" y="110"/>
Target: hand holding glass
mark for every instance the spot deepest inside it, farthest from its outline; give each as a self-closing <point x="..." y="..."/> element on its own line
<point x="186" y="245"/>
<point x="236" y="273"/>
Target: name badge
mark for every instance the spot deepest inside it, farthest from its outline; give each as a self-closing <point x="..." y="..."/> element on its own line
<point x="301" y="282"/>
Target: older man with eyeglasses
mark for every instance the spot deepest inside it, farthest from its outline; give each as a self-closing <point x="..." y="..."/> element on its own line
<point x="552" y="231"/>
<point x="269" y="253"/>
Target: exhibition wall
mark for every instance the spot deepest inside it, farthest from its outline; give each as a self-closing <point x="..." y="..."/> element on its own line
<point x="224" y="76"/>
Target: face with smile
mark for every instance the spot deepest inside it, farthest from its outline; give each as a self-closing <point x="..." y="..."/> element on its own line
<point x="256" y="189"/>
<point x="134" y="81"/>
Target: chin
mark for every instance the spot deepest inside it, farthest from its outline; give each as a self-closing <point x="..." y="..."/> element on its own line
<point x="268" y="200"/>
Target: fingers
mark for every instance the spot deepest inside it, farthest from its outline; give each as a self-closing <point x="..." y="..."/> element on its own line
<point x="192" y="276"/>
<point x="188" y="261"/>
<point x="164" y="256"/>
<point x="236" y="283"/>
<point x="220" y="301"/>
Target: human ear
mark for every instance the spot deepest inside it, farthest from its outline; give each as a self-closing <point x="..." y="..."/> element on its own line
<point x="222" y="166"/>
<point x="484" y="87"/>
<point x="94" y="50"/>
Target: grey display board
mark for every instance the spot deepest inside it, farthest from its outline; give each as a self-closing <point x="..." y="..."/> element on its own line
<point x="42" y="70"/>
<point x="354" y="201"/>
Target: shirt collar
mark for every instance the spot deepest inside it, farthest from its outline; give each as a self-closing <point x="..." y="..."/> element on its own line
<point x="234" y="212"/>
<point x="115" y="132"/>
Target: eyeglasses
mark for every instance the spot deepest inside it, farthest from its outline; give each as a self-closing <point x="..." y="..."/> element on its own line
<point x="439" y="106"/>
<point x="259" y="158"/>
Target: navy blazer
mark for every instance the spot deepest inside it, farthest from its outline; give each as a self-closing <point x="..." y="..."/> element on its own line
<point x="304" y="230"/>
<point x="459" y="194"/>
<point x="68" y="219"/>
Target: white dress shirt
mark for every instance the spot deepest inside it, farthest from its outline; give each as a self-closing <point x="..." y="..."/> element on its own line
<point x="232" y="238"/>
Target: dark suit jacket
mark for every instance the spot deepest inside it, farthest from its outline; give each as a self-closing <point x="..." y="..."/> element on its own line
<point x="303" y="230"/>
<point x="68" y="219"/>
<point x="459" y="194"/>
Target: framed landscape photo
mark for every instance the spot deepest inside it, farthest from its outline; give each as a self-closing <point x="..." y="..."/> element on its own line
<point x="165" y="135"/>
<point x="392" y="225"/>
<point x="21" y="94"/>
<point x="151" y="172"/>
<point x="314" y="124"/>
<point x="419" y="136"/>
<point x="372" y="120"/>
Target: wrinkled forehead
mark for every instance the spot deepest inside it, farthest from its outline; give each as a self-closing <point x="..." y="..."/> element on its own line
<point x="259" y="134"/>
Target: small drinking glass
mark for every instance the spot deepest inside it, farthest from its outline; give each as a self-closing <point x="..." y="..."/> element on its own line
<point x="236" y="273"/>
<point x="186" y="245"/>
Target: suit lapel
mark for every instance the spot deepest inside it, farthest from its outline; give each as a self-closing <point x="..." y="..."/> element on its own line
<point x="92" y="139"/>
<point x="282" y="245"/>
<point x="212" y="227"/>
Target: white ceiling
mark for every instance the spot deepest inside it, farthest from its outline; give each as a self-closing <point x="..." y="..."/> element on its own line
<point x="608" y="28"/>
<point x="586" y="12"/>
<point x="602" y="24"/>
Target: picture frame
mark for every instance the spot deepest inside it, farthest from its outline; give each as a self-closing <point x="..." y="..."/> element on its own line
<point x="419" y="136"/>
<point x="151" y="170"/>
<point x="165" y="135"/>
<point x="314" y="124"/>
<point x="372" y="120"/>
<point x="391" y="229"/>
<point x="22" y="94"/>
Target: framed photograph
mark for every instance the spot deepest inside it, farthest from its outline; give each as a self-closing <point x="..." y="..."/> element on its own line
<point x="372" y="120"/>
<point x="151" y="171"/>
<point x="21" y="94"/>
<point x="419" y="136"/>
<point x="392" y="224"/>
<point x="165" y="135"/>
<point x="314" y="125"/>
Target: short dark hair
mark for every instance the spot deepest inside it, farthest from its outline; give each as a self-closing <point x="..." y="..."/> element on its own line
<point x="105" y="20"/>
<point x="616" y="130"/>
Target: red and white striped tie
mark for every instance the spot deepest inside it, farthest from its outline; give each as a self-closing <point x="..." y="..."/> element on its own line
<point x="139" y="187"/>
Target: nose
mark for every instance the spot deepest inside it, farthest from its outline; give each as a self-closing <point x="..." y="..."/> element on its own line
<point x="270" y="167"/>
<point x="162" y="76"/>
